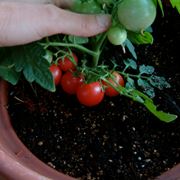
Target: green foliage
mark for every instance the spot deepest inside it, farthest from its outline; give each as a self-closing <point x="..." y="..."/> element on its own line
<point x="143" y="69"/>
<point x="131" y="48"/>
<point x="176" y="4"/>
<point x="29" y="60"/>
<point x="159" y="2"/>
<point x="130" y="63"/>
<point x="138" y="38"/>
<point x="33" y="60"/>
<point x="146" y="78"/>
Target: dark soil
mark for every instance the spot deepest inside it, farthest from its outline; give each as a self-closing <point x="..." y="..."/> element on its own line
<point x="119" y="139"/>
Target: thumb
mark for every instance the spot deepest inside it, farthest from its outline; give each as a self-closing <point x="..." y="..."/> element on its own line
<point x="21" y="23"/>
<point x="66" y="22"/>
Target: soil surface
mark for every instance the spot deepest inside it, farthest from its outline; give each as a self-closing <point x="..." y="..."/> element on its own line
<point x="119" y="139"/>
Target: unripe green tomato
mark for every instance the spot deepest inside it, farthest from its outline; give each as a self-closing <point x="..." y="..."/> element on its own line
<point x="136" y="15"/>
<point x="117" y="35"/>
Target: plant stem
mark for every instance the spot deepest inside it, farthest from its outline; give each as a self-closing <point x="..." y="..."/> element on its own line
<point x="133" y="75"/>
<point x="98" y="49"/>
<point x="77" y="46"/>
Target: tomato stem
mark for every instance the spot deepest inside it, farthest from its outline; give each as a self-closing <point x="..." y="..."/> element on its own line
<point x="98" y="48"/>
<point x="77" y="46"/>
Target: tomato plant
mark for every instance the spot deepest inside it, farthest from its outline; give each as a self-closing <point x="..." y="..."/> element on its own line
<point x="68" y="63"/>
<point x="115" y="80"/>
<point x="131" y="26"/>
<point x="90" y="94"/>
<point x="56" y="73"/>
<point x="70" y="82"/>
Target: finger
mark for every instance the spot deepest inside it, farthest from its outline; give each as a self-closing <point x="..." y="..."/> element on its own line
<point x="29" y="1"/>
<point x="67" y="22"/>
<point x="60" y="3"/>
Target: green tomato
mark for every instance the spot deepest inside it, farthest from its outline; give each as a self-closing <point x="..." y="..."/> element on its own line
<point x="117" y="35"/>
<point x="136" y="15"/>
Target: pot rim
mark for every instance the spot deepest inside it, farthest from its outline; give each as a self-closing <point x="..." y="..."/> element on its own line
<point x="16" y="161"/>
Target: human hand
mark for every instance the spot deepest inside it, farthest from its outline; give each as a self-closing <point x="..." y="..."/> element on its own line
<point x="22" y="22"/>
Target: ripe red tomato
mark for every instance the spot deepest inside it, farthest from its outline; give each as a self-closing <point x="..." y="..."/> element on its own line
<point x="56" y="73"/>
<point x="67" y="64"/>
<point x="117" y="80"/>
<point x="70" y="82"/>
<point x="90" y="94"/>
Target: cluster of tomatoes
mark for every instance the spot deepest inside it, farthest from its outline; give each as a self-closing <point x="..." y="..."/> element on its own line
<point x="134" y="16"/>
<point x="73" y="82"/>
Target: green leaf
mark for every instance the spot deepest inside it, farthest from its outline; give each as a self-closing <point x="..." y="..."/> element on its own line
<point x="159" y="2"/>
<point x="147" y="88"/>
<point x="30" y="60"/>
<point x="48" y="56"/>
<point x="149" y="104"/>
<point x="78" y="39"/>
<point x="131" y="48"/>
<point x="140" y="38"/>
<point x="159" y="82"/>
<point x="7" y="70"/>
<point x="9" y="74"/>
<point x="163" y="116"/>
<point x="176" y="4"/>
<point x="143" y="69"/>
<point x="130" y="83"/>
<point x="130" y="63"/>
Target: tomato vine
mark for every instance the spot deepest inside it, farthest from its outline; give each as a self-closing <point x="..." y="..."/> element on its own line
<point x="131" y="26"/>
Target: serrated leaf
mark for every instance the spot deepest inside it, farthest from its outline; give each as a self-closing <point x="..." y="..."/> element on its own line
<point x="147" y="88"/>
<point x="149" y="104"/>
<point x="130" y="63"/>
<point x="163" y="116"/>
<point x="143" y="69"/>
<point x="159" y="82"/>
<point x="131" y="48"/>
<point x="141" y="38"/>
<point x="29" y="59"/>
<point x="130" y="83"/>
<point x="78" y="39"/>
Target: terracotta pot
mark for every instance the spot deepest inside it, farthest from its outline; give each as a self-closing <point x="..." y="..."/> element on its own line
<point x="17" y="162"/>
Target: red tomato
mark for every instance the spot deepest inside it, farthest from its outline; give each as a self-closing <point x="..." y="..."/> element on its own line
<point x="56" y="73"/>
<point x="90" y="94"/>
<point x="70" y="82"/>
<point x="67" y="64"/>
<point x="117" y="80"/>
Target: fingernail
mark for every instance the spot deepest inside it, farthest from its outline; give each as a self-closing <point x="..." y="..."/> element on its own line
<point x="104" y="21"/>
